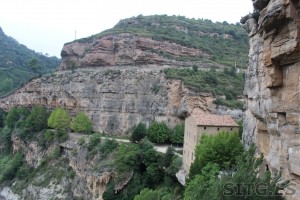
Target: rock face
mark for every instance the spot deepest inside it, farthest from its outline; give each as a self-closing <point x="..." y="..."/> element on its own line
<point x="272" y="90"/>
<point x="124" y="49"/>
<point x="114" y="98"/>
<point x="86" y="182"/>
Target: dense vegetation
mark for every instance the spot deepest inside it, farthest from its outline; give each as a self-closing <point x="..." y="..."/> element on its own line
<point x="226" y="83"/>
<point x="201" y="34"/>
<point x="222" y="169"/>
<point x="158" y="132"/>
<point x="148" y="171"/>
<point x="225" y="171"/>
<point x="18" y="64"/>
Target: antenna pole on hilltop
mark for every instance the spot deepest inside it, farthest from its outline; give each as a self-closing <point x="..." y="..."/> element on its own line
<point x="75" y="34"/>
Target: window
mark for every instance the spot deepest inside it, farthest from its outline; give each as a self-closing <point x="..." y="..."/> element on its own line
<point x="204" y="128"/>
<point x="231" y="129"/>
<point x="218" y="128"/>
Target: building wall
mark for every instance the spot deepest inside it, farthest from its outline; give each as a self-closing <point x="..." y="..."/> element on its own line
<point x="190" y="141"/>
<point x="192" y="135"/>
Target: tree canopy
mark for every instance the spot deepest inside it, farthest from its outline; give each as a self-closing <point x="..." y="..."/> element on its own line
<point x="158" y="132"/>
<point x="59" y="119"/>
<point x="221" y="149"/>
<point x="82" y="123"/>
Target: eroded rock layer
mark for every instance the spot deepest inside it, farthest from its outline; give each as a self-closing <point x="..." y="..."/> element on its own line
<point x="115" y="98"/>
<point x="272" y="90"/>
<point x="126" y="49"/>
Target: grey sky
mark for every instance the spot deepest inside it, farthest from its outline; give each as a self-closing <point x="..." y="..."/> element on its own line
<point x="45" y="25"/>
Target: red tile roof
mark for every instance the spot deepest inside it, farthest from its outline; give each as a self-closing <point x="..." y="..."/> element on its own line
<point x="214" y="120"/>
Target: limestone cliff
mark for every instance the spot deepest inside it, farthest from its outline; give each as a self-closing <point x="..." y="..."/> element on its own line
<point x="114" y="98"/>
<point x="272" y="117"/>
<point x="117" y="78"/>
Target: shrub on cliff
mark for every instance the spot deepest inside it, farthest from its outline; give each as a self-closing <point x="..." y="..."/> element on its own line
<point x="138" y="132"/>
<point x="59" y="119"/>
<point x="158" y="132"/>
<point x="82" y="124"/>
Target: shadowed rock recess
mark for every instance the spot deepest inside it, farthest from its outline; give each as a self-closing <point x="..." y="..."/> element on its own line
<point x="272" y="90"/>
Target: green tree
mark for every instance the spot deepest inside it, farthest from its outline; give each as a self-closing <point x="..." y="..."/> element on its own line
<point x="5" y="139"/>
<point x="158" y="132"/>
<point x="127" y="157"/>
<point x="37" y="120"/>
<point x="33" y="63"/>
<point x="255" y="184"/>
<point x="12" y="117"/>
<point x="59" y="119"/>
<point x="177" y="134"/>
<point x="2" y="117"/>
<point x="82" y="124"/>
<point x="147" y="194"/>
<point x="204" y="185"/>
<point x="154" y="174"/>
<point x="95" y="140"/>
<point x="138" y="132"/>
<point x="168" y="156"/>
<point x="174" y="167"/>
<point x="11" y="168"/>
<point x="6" y="85"/>
<point x="221" y="149"/>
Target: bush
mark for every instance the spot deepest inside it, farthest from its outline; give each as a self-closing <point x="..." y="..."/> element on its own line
<point x="158" y="132"/>
<point x="59" y="119"/>
<point x="108" y="146"/>
<point x="55" y="153"/>
<point x="95" y="140"/>
<point x="81" y="141"/>
<point x="49" y="135"/>
<point x="62" y="135"/>
<point x="82" y="124"/>
<point x="138" y="132"/>
<point x="177" y="135"/>
<point x="221" y="149"/>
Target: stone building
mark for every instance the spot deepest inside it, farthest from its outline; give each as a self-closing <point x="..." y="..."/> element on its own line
<point x="195" y="126"/>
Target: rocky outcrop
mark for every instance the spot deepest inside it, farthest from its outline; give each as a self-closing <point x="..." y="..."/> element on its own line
<point x="125" y="49"/>
<point x="86" y="183"/>
<point x="114" y="98"/>
<point x="272" y="90"/>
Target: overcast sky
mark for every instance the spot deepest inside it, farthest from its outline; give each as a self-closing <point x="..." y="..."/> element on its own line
<point x="45" y="25"/>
